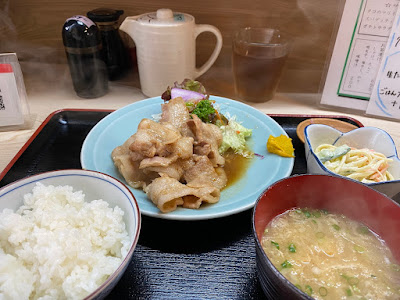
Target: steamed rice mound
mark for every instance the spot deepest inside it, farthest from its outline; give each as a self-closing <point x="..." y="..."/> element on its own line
<point x="58" y="246"/>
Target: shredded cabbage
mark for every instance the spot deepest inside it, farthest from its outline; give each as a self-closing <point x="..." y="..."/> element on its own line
<point x="234" y="137"/>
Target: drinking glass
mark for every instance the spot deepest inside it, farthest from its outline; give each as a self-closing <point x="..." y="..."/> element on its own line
<point x="258" y="59"/>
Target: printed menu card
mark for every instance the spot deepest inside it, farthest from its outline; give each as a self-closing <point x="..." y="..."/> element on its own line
<point x="385" y="97"/>
<point x="366" y="33"/>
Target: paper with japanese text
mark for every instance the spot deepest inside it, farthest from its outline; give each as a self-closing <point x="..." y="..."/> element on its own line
<point x="360" y="43"/>
<point x="10" y="108"/>
<point x="385" y="97"/>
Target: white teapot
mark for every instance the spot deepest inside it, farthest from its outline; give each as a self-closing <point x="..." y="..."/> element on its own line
<point x="166" y="48"/>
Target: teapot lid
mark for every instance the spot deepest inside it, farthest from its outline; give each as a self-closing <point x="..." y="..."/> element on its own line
<point x="165" y="16"/>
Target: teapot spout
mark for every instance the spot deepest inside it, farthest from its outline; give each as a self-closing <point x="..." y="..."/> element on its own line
<point x="129" y="26"/>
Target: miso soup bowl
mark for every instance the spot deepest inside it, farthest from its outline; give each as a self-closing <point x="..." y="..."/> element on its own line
<point x="335" y="194"/>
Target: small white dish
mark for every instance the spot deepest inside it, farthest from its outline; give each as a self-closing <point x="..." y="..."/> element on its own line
<point x="364" y="137"/>
<point x="94" y="185"/>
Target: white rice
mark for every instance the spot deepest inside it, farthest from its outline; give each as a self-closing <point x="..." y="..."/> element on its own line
<point x="58" y="246"/>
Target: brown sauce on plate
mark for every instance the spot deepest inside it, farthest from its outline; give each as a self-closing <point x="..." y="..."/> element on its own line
<point x="235" y="167"/>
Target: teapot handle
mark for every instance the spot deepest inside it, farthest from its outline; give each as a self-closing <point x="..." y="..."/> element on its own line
<point x="202" y="28"/>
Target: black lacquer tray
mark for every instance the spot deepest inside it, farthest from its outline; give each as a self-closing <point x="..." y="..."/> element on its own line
<point x="212" y="259"/>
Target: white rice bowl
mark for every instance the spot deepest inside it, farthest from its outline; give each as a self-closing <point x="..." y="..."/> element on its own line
<point x="59" y="245"/>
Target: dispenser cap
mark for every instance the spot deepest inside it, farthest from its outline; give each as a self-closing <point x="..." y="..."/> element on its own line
<point x="80" y="32"/>
<point x="105" y="14"/>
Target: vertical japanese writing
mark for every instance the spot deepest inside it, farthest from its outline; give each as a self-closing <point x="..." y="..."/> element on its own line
<point x="390" y="88"/>
<point x="377" y="18"/>
<point x="2" y="105"/>
<point x="363" y="65"/>
<point x="385" y="99"/>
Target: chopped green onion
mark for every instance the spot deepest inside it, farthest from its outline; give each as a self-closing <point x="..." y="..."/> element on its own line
<point x="359" y="248"/>
<point x="353" y="280"/>
<point x="320" y="235"/>
<point x="298" y="286"/>
<point x="292" y="248"/>
<point x="345" y="276"/>
<point x="275" y="244"/>
<point x="286" y="264"/>
<point x="324" y="211"/>
<point x="395" y="267"/>
<point x="309" y="290"/>
<point x="307" y="213"/>
<point x="323" y="291"/>
<point x="349" y="278"/>
<point x="336" y="227"/>
<point x="316" y="214"/>
<point x="315" y="222"/>
<point x="348" y="292"/>
<point x="363" y="230"/>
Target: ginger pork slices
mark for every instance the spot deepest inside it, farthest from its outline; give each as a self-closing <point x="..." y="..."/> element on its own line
<point x="175" y="161"/>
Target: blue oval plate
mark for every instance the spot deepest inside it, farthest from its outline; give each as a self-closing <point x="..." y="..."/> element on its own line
<point x="118" y="126"/>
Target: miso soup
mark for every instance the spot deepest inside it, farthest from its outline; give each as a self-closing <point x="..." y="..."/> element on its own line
<point x="329" y="256"/>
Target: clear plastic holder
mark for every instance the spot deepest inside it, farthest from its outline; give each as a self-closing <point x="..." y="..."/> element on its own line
<point x="14" y="109"/>
<point x="341" y="53"/>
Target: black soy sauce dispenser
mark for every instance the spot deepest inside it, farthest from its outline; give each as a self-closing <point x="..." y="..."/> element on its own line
<point x="83" y="48"/>
<point x="115" y="52"/>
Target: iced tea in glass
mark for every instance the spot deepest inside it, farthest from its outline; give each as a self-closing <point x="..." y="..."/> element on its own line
<point x="258" y="59"/>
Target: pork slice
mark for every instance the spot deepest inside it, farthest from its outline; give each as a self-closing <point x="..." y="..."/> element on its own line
<point x="174" y="170"/>
<point x="143" y="144"/>
<point x="136" y="156"/>
<point x="157" y="161"/>
<point x="166" y="193"/>
<point x="215" y="132"/>
<point x="202" y="149"/>
<point x="202" y="167"/>
<point x="183" y="147"/>
<point x="207" y="139"/>
<point x="176" y="113"/>
<point x="151" y="124"/>
<point x="153" y="138"/>
<point x="222" y="179"/>
<point x="203" y="174"/>
<point x="129" y="168"/>
<point x="208" y="194"/>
